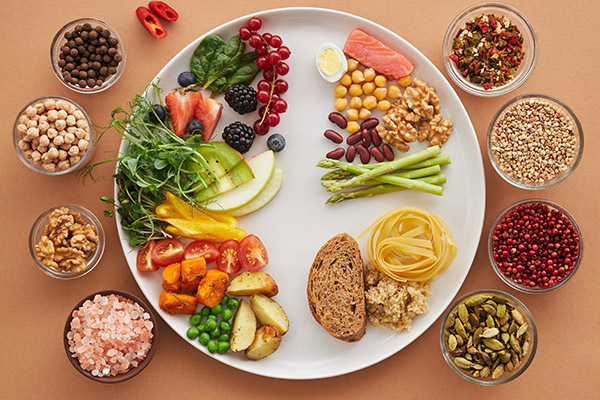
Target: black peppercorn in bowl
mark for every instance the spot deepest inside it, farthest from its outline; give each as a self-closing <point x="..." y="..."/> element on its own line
<point x="490" y="49"/>
<point x="488" y="337"/>
<point x="535" y="141"/>
<point x="87" y="55"/>
<point x="535" y="246"/>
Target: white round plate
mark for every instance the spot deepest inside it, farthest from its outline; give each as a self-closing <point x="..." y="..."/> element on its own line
<point x="297" y="222"/>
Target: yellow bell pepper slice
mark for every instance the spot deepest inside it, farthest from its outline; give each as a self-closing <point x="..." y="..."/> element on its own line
<point x="202" y="230"/>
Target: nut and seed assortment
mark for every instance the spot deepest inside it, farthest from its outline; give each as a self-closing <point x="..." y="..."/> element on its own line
<point x="535" y="245"/>
<point x="67" y="241"/>
<point x="53" y="133"/>
<point x="487" y="336"/>
<point x="534" y="141"/>
<point x="89" y="55"/>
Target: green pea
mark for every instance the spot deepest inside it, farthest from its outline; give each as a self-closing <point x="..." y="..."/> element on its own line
<point x="205" y="311"/>
<point x="210" y="325"/>
<point x="196" y="319"/>
<point x="213" y="317"/>
<point x="212" y="346"/>
<point x="224" y="301"/>
<point x="226" y="314"/>
<point x="202" y="327"/>
<point x="215" y="333"/>
<point x="225" y="326"/>
<point x="216" y="309"/>
<point x="232" y="304"/>
<point x="193" y="332"/>
<point x="223" y="347"/>
<point x="204" y="338"/>
<point x="224" y="337"/>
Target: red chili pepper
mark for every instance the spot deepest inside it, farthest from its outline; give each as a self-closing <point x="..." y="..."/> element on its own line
<point x="163" y="10"/>
<point x="150" y="22"/>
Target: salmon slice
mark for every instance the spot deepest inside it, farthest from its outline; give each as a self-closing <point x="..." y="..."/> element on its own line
<point x="371" y="52"/>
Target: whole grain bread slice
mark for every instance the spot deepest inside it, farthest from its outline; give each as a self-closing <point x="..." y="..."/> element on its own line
<point x="336" y="289"/>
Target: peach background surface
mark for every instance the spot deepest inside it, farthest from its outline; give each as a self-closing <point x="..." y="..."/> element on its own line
<point x="33" y="307"/>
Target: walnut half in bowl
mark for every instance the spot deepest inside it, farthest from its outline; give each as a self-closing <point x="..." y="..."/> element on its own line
<point x="66" y="241"/>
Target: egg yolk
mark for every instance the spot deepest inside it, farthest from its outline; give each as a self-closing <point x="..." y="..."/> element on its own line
<point x="329" y="61"/>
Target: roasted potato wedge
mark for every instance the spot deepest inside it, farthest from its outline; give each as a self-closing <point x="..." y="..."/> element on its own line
<point x="266" y="341"/>
<point x="269" y="312"/>
<point x="243" y="329"/>
<point x="253" y="282"/>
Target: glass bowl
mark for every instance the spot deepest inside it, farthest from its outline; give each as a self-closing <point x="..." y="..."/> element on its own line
<point x="134" y="370"/>
<point x="569" y="268"/>
<point x="530" y="47"/>
<point x="508" y="140"/>
<point x="35" y="125"/>
<point x="521" y="333"/>
<point x="92" y="259"/>
<point x="102" y="42"/>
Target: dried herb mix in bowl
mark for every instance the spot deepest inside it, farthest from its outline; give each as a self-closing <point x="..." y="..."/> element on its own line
<point x="488" y="50"/>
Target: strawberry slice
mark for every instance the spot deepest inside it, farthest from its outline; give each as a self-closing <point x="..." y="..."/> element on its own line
<point x="181" y="107"/>
<point x="208" y="111"/>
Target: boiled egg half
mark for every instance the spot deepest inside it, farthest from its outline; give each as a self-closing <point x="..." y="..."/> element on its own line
<point x="331" y="62"/>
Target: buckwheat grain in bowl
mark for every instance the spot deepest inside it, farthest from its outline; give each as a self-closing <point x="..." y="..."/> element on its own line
<point x="535" y="141"/>
<point x="53" y="135"/>
<point x="110" y="336"/>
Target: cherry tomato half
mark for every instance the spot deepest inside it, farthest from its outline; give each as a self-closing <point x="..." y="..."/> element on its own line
<point x="167" y="251"/>
<point x="202" y="248"/>
<point x="228" y="260"/>
<point x="144" y="258"/>
<point x="252" y="254"/>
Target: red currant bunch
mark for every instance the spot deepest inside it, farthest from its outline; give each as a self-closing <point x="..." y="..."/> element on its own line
<point x="271" y="56"/>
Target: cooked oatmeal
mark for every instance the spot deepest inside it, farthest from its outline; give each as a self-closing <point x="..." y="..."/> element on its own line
<point x="394" y="304"/>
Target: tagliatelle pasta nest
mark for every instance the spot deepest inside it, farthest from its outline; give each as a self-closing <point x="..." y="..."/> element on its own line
<point x="410" y="244"/>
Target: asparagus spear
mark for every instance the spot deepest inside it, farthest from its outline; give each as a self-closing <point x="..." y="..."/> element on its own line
<point x="412" y="174"/>
<point x="382" y="188"/>
<point x="384" y="168"/>
<point x="439" y="160"/>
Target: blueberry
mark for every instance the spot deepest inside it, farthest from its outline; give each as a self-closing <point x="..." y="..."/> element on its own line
<point x="158" y="114"/>
<point x="195" y="127"/>
<point x="276" y="142"/>
<point x="186" y="79"/>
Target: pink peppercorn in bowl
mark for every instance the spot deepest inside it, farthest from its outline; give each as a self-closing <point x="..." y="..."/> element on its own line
<point x="535" y="141"/>
<point x="88" y="55"/>
<point x="121" y="358"/>
<point x="510" y="78"/>
<point x="535" y="246"/>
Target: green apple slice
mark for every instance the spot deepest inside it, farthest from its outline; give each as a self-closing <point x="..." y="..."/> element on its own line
<point x="263" y="167"/>
<point x="264" y="197"/>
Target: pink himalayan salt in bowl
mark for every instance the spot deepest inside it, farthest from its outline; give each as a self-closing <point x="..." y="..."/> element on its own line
<point x="102" y="351"/>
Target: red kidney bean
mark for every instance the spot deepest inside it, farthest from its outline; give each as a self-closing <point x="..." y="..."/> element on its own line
<point x="376" y="153"/>
<point x="335" y="154"/>
<point x="375" y="139"/>
<point x="369" y="123"/>
<point x="366" y="137"/>
<point x="363" y="152"/>
<point x="354" y="138"/>
<point x="338" y="119"/>
<point x="388" y="153"/>
<point x="350" y="153"/>
<point x="333" y="136"/>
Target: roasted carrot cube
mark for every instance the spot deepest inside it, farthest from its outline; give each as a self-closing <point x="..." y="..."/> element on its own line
<point x="177" y="303"/>
<point x="171" y="277"/>
<point x="192" y="271"/>
<point x="212" y="287"/>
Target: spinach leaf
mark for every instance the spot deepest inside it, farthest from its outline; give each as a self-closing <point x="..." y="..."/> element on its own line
<point x="204" y="55"/>
<point x="245" y="72"/>
<point x="226" y="62"/>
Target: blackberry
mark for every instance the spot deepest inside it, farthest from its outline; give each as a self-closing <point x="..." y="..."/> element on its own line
<point x="241" y="98"/>
<point x="239" y="136"/>
<point x="276" y="142"/>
